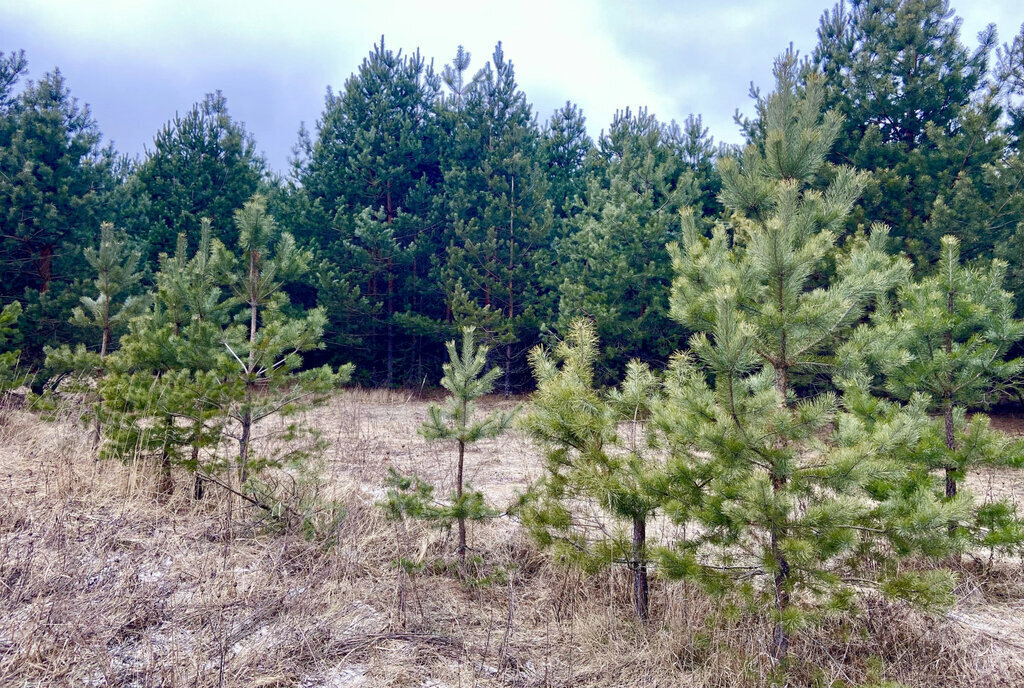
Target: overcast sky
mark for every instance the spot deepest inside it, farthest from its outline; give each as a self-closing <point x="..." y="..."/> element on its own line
<point x="137" y="62"/>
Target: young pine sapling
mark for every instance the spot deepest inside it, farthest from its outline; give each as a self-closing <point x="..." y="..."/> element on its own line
<point x="455" y="422"/>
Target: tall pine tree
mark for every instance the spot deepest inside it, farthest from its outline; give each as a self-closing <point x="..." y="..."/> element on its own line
<point x="793" y="494"/>
<point x="370" y="178"/>
<point x="501" y="220"/>
<point x="202" y="165"/>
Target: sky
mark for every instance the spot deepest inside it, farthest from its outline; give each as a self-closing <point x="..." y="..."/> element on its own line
<point x="138" y="62"/>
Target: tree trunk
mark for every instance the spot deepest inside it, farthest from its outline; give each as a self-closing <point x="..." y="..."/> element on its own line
<point x="508" y="370"/>
<point x="458" y="497"/>
<point x="243" y="440"/>
<point x="390" y="328"/>
<point x="45" y="268"/>
<point x="197" y="485"/>
<point x="947" y="412"/>
<point x="166" y="486"/>
<point x="780" y="638"/>
<point x="641" y="595"/>
<point x="250" y="383"/>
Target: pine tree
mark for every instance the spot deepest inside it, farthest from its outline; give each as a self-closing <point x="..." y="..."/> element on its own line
<point x="115" y="264"/>
<point x="261" y="375"/>
<point x="564" y="150"/>
<point x="613" y="265"/>
<point x="948" y="341"/>
<point x="501" y="220"/>
<point x="466" y="382"/>
<point x="1010" y="75"/>
<point x="795" y="493"/>
<point x="116" y="267"/>
<point x="55" y="178"/>
<point x="157" y="397"/>
<point x="203" y="165"/>
<point x="598" y="465"/>
<point x="900" y="76"/>
<point x="371" y="175"/>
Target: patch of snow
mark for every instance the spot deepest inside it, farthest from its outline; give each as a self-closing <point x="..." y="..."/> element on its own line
<point x="348" y="676"/>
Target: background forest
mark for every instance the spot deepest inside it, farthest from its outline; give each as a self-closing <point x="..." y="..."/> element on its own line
<point x="430" y="199"/>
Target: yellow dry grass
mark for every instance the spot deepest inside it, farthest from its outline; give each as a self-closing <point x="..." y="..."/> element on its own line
<point x="102" y="585"/>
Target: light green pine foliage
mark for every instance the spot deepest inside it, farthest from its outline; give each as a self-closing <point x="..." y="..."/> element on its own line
<point x="458" y="422"/>
<point x="948" y="341"/>
<point x="789" y="494"/>
<point x="157" y="395"/>
<point x="261" y="375"/>
<point x="115" y="265"/>
<point x="602" y="482"/>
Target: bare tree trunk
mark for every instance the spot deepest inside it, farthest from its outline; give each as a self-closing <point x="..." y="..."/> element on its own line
<point x="947" y="408"/>
<point x="508" y="370"/>
<point x="243" y="440"/>
<point x="780" y="638"/>
<point x="641" y="591"/>
<point x="947" y="413"/>
<point x="390" y="327"/>
<point x="511" y="290"/>
<point x="104" y="344"/>
<point x="197" y="486"/>
<point x="166" y="487"/>
<point x="458" y="497"/>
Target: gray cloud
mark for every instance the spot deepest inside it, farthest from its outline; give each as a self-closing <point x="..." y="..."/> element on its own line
<point x="137" y="63"/>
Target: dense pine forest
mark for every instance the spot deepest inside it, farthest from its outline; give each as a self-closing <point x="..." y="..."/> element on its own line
<point x="430" y="199"/>
<point x="761" y="369"/>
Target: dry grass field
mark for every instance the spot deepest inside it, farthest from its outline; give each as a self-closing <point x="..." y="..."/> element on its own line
<point x="101" y="584"/>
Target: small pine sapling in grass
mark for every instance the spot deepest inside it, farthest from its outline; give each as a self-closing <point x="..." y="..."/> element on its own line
<point x="117" y="274"/>
<point x="792" y="488"/>
<point x="261" y="370"/>
<point x="456" y="422"/>
<point x="603" y="483"/>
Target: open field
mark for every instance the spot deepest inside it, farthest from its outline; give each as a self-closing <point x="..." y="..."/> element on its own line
<point x="102" y="585"/>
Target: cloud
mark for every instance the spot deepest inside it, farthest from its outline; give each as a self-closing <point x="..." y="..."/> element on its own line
<point x="139" y="62"/>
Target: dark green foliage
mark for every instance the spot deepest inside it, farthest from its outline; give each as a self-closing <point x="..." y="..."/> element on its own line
<point x="203" y="165"/>
<point x="10" y="376"/>
<point x="564" y="150"/>
<point x="614" y="268"/>
<point x="1010" y="76"/>
<point x="54" y="177"/>
<point x="907" y="89"/>
<point x="502" y="222"/>
<point x="368" y="180"/>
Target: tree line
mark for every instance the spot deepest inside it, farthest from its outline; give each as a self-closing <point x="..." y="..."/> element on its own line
<point x="434" y="199"/>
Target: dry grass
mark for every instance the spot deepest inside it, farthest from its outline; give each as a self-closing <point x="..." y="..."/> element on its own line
<point x="102" y="585"/>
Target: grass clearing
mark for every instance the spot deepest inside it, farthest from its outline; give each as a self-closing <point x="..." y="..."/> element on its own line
<point x="102" y="585"/>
